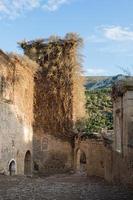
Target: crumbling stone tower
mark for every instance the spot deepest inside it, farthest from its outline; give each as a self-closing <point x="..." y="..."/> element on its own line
<point x="58" y="101"/>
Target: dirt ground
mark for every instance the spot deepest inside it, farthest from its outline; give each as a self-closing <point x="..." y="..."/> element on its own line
<point x="61" y="187"/>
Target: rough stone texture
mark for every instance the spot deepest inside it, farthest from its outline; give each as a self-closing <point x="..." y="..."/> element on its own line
<point x="58" y="102"/>
<point x="61" y="187"/>
<point x="55" y="105"/>
<point x="113" y="161"/>
<point x="108" y="163"/>
<point x="117" y="168"/>
<point x="94" y="151"/>
<point x="119" y="160"/>
<point x="59" y="90"/>
<point x="16" y="113"/>
<point x="51" y="155"/>
<point x="49" y="140"/>
<point x="123" y="112"/>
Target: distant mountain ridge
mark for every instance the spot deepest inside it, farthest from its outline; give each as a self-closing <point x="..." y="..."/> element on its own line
<point x="101" y="82"/>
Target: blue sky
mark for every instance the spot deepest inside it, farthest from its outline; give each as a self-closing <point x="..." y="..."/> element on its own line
<point x="105" y="25"/>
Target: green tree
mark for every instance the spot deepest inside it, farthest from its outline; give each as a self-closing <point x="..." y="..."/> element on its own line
<point x="99" y="110"/>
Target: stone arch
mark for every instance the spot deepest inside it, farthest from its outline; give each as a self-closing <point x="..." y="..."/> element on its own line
<point x="27" y="164"/>
<point x="12" y="167"/>
<point x="81" y="161"/>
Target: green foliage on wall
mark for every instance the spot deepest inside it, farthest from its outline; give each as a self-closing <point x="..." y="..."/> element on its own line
<point x="99" y="110"/>
<point x="99" y="113"/>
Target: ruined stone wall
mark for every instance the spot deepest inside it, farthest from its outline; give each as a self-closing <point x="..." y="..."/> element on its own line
<point x="16" y="112"/>
<point x="51" y="155"/>
<point x="118" y="169"/>
<point x="94" y="151"/>
<point x="122" y="169"/>
<point x="118" y="123"/>
<point x="53" y="121"/>
<point x="103" y="161"/>
<point x="127" y="122"/>
<point x="119" y="161"/>
<point x="54" y="110"/>
<point x="108" y="164"/>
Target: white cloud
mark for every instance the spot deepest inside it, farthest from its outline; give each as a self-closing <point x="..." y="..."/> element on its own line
<point x="113" y="40"/>
<point x="118" y="33"/>
<point x="2" y="7"/>
<point x="13" y="8"/>
<point x="112" y="33"/>
<point x="53" y="5"/>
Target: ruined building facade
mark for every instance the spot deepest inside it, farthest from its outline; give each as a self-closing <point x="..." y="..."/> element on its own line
<point x="121" y="153"/>
<point x="36" y="133"/>
<point x="16" y="114"/>
<point x="111" y="156"/>
<point x="41" y="99"/>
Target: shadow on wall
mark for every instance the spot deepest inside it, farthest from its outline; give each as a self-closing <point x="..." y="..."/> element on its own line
<point x="56" y="163"/>
<point x="12" y="138"/>
<point x="28" y="164"/>
<point x="118" y="169"/>
<point x="81" y="163"/>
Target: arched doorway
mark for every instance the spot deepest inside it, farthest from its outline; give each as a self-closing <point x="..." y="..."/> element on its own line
<point x="27" y="164"/>
<point x="12" y="168"/>
<point x="81" y="162"/>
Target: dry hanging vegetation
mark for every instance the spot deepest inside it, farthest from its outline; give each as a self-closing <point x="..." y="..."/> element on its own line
<point x="59" y="91"/>
<point x="13" y="68"/>
<point x="22" y="65"/>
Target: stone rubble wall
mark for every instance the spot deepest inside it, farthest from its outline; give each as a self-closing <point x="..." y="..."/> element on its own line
<point x="104" y="162"/>
<point x="94" y="151"/>
<point x="117" y="168"/>
<point x="122" y="154"/>
<point x="16" y="114"/>
<point x="51" y="155"/>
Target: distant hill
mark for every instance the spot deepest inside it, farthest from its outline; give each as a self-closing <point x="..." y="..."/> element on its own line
<point x="101" y="82"/>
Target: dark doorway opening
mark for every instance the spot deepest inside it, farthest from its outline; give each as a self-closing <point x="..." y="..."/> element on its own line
<point x="81" y="162"/>
<point x="27" y="164"/>
<point x="12" y="168"/>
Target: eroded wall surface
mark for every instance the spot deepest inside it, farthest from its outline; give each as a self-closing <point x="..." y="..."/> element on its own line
<point x="94" y="151"/>
<point x="58" y="91"/>
<point x="16" y="114"/>
<point x="51" y="155"/>
<point x="119" y="160"/>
